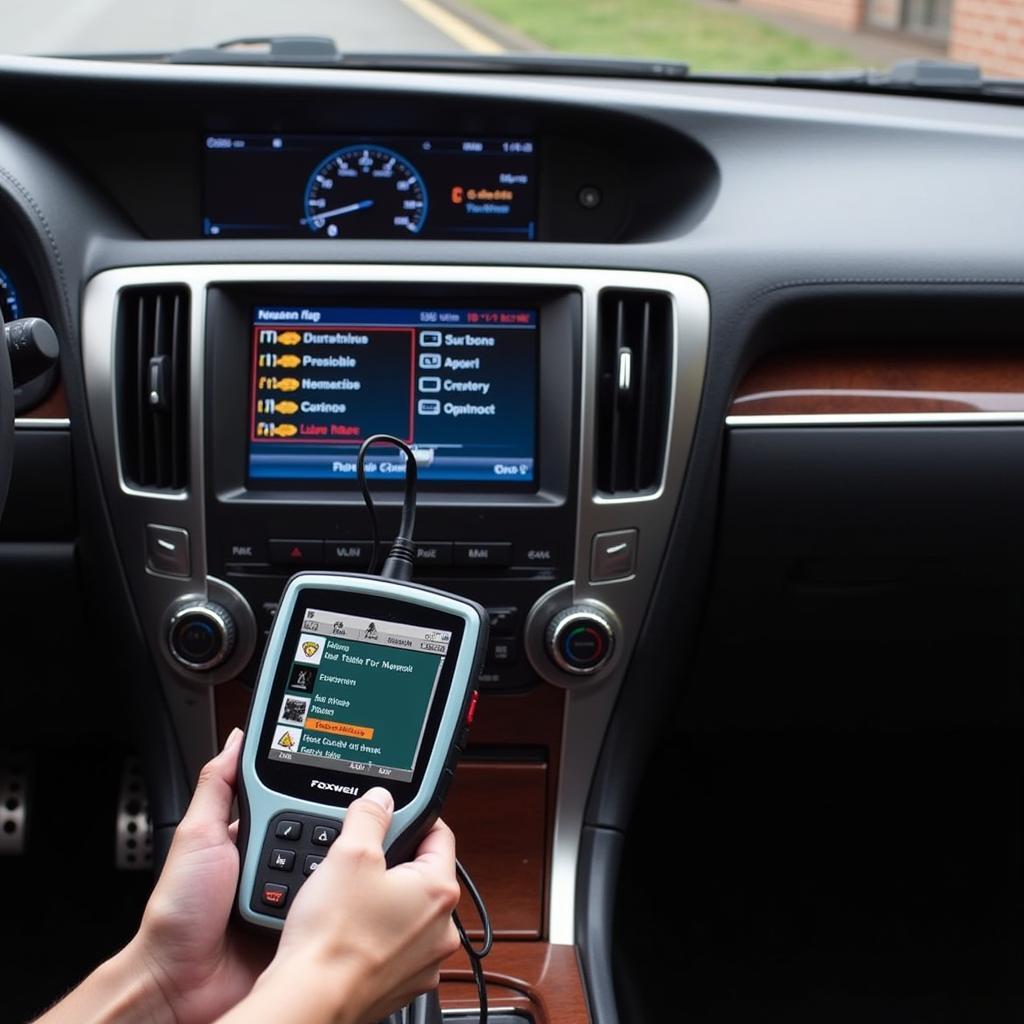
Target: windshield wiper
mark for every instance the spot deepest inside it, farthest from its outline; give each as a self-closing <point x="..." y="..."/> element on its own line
<point x="320" y="51"/>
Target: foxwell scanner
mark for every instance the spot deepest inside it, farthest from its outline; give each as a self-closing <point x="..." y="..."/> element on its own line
<point x="365" y="681"/>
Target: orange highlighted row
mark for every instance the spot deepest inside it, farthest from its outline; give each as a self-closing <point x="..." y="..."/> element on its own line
<point x="362" y="732"/>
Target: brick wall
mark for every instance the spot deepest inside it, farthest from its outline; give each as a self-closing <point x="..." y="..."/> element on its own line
<point x="989" y="33"/>
<point x="845" y="14"/>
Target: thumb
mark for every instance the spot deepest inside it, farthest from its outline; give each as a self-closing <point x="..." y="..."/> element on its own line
<point x="367" y="822"/>
<point x="215" y="790"/>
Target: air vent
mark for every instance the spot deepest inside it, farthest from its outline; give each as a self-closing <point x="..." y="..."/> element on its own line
<point x="634" y="376"/>
<point x="152" y="386"/>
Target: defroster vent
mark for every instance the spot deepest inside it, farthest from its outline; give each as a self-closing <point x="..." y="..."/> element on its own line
<point x="635" y="348"/>
<point x="152" y="386"/>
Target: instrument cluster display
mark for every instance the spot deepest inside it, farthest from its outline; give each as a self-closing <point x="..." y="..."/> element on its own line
<point x="338" y="187"/>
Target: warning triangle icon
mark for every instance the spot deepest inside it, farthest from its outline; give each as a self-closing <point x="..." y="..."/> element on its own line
<point x="296" y="552"/>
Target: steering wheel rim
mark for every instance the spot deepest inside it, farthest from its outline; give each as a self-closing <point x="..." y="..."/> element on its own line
<point x="6" y="420"/>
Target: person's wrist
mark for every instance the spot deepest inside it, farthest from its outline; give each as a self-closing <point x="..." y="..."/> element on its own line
<point x="137" y="991"/>
<point x="320" y="989"/>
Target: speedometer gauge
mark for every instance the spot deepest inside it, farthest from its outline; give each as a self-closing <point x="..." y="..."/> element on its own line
<point x="365" y="192"/>
<point x="10" y="304"/>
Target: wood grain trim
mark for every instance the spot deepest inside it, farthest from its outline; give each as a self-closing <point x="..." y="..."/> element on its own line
<point x="498" y="814"/>
<point x="816" y="383"/>
<point x="543" y="979"/>
<point x="53" y="407"/>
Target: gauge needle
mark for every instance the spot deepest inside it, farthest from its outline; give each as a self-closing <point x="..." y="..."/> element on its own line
<point x="351" y="208"/>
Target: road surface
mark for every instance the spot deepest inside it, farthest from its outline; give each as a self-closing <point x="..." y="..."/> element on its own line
<point x="104" y="26"/>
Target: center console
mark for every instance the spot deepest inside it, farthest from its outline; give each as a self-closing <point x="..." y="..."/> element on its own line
<point x="552" y="410"/>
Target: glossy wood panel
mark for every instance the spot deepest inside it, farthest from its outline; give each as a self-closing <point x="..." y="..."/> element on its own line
<point x="804" y="383"/>
<point x="53" y="407"/>
<point x="498" y="814"/>
<point x="537" y="977"/>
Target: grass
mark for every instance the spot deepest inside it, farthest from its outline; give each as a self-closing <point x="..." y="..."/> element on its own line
<point x="708" y="40"/>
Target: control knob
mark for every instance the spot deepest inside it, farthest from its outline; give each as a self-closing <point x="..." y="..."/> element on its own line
<point x="201" y="635"/>
<point x="580" y="640"/>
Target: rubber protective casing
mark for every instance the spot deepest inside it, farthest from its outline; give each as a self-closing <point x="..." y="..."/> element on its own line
<point x="258" y="803"/>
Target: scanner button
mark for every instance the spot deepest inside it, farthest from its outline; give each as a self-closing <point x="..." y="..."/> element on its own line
<point x="312" y="863"/>
<point x="324" y="836"/>
<point x="275" y="895"/>
<point x="288" y="830"/>
<point x="282" y="860"/>
<point x="471" y="712"/>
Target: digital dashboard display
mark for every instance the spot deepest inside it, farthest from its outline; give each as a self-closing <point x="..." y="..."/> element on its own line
<point x="358" y="694"/>
<point x="458" y="384"/>
<point x="301" y="186"/>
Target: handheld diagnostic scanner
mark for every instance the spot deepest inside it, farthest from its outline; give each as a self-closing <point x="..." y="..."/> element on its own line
<point x="365" y="682"/>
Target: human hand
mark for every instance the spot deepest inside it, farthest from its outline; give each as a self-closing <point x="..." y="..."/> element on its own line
<point x="360" y="940"/>
<point x="202" y="965"/>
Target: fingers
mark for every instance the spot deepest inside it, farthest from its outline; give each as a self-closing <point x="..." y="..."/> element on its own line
<point x="366" y="824"/>
<point x="437" y="850"/>
<point x="215" y="790"/>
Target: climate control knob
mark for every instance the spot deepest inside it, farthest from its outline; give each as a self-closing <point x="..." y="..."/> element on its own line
<point x="201" y="635"/>
<point x="580" y="640"/>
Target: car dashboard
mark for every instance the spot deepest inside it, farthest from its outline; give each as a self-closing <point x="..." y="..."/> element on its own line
<point x="706" y="375"/>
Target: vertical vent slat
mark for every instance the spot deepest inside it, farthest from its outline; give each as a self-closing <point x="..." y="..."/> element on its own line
<point x="152" y="348"/>
<point x="641" y="358"/>
<point x="635" y="348"/>
<point x="160" y="424"/>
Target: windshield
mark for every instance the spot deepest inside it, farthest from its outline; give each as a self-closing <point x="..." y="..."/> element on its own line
<point x="710" y="35"/>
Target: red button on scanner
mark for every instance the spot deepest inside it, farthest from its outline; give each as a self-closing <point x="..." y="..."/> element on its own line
<point x="471" y="713"/>
<point x="274" y="895"/>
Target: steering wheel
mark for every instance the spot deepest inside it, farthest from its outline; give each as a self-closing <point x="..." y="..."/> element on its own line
<point x="6" y="419"/>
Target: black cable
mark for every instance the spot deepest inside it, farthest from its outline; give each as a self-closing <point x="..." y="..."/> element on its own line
<point x="398" y="565"/>
<point x="475" y="954"/>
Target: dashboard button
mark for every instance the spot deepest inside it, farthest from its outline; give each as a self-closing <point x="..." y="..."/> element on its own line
<point x="483" y="553"/>
<point x="243" y="552"/>
<point x="311" y="864"/>
<point x="167" y="551"/>
<point x="613" y="555"/>
<point x="503" y="620"/>
<point x="580" y="639"/>
<point x="201" y="635"/>
<point x="434" y="552"/>
<point x="354" y="554"/>
<point x="296" y="552"/>
<point x="536" y="554"/>
<point x="502" y="651"/>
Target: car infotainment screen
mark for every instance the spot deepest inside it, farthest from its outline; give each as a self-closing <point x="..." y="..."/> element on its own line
<point x="339" y="187"/>
<point x="459" y="385"/>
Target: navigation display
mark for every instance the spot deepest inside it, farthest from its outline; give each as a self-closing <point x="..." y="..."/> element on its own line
<point x="457" y="384"/>
<point x="301" y="186"/>
<point x="358" y="694"/>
